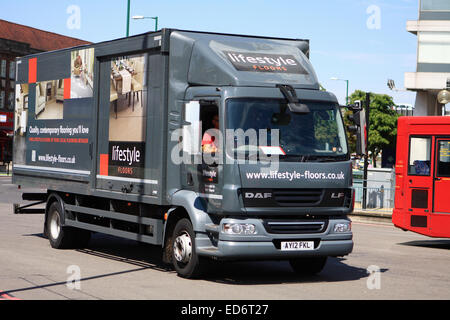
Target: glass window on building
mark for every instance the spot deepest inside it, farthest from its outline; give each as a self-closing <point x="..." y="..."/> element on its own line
<point x="12" y="70"/>
<point x="11" y="101"/>
<point x="3" y="68"/>
<point x="435" y="5"/>
<point x="2" y="99"/>
<point x="446" y="110"/>
<point x="434" y="47"/>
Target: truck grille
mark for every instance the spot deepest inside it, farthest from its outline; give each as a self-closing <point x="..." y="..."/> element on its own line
<point x="295" y="226"/>
<point x="298" y="198"/>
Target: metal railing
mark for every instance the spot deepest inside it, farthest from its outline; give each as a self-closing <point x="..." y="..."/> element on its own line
<point x="5" y="169"/>
<point x="380" y="198"/>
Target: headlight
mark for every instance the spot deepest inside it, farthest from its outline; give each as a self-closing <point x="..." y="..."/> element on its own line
<point x="239" y="228"/>
<point x="343" y="227"/>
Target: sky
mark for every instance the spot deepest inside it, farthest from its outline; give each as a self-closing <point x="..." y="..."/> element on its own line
<point x="362" y="41"/>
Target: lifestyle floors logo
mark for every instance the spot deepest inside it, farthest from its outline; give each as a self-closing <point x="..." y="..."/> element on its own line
<point x="126" y="159"/>
<point x="264" y="62"/>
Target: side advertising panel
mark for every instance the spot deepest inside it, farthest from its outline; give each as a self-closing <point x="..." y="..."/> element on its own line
<point x="53" y="114"/>
<point x="127" y="117"/>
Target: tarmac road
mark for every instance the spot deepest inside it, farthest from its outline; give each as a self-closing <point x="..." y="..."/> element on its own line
<point x="410" y="266"/>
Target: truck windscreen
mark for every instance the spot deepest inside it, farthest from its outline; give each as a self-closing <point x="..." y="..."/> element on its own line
<point x="315" y="136"/>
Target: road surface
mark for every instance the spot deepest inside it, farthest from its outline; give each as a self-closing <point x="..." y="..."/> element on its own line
<point x="386" y="263"/>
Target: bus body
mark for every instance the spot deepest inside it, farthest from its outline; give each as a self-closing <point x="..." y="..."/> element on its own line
<point x="422" y="202"/>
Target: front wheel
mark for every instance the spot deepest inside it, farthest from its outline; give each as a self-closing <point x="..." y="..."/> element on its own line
<point x="184" y="258"/>
<point x="308" y="266"/>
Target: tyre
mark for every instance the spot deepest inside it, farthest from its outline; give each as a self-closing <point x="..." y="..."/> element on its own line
<point x="61" y="237"/>
<point x="308" y="266"/>
<point x="184" y="258"/>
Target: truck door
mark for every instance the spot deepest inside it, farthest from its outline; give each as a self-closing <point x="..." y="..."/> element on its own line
<point x="442" y="177"/>
<point x="122" y="126"/>
<point x="202" y="166"/>
<point x="419" y="180"/>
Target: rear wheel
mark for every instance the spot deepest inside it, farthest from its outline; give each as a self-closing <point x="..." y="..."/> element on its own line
<point x="308" y="266"/>
<point x="184" y="258"/>
<point x="61" y="237"/>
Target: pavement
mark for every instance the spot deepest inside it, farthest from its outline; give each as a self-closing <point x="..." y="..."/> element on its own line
<point x="372" y="216"/>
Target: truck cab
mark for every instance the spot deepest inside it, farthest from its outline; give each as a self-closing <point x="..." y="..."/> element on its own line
<point x="279" y="184"/>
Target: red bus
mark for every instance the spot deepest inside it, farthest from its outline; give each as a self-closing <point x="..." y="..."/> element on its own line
<point x="422" y="170"/>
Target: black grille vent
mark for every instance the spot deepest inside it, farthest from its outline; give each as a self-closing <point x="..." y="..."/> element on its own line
<point x="298" y="197"/>
<point x="295" y="227"/>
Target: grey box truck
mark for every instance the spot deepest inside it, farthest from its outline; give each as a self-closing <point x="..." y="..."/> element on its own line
<point x="212" y="146"/>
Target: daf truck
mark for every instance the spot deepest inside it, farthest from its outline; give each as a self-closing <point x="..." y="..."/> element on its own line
<point x="115" y="134"/>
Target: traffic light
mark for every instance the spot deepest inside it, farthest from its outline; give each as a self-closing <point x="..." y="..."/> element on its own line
<point x="358" y="117"/>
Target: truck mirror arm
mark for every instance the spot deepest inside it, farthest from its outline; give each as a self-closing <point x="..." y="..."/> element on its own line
<point x="293" y="101"/>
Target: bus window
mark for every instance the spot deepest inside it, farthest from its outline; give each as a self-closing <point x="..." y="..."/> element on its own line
<point x="443" y="165"/>
<point x="419" y="156"/>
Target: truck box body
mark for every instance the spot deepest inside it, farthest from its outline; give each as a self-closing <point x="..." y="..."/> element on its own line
<point x="99" y="124"/>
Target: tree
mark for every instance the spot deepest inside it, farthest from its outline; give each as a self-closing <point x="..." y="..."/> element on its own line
<point x="382" y="122"/>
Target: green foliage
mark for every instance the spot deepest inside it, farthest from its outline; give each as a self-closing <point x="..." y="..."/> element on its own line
<point x="326" y="130"/>
<point x="382" y="123"/>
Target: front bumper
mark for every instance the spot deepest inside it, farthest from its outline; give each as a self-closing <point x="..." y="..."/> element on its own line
<point x="265" y="246"/>
<point x="228" y="250"/>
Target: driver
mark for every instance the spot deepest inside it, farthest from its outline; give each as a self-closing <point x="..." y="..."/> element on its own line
<point x="209" y="144"/>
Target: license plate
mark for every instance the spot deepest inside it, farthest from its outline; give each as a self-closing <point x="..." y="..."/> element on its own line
<point x="297" y="245"/>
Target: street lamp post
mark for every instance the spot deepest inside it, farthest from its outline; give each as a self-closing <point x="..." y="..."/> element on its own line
<point x="128" y="18"/>
<point x="142" y="17"/>
<point x="346" y="99"/>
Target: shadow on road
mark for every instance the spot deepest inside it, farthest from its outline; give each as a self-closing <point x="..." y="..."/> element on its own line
<point x="127" y="251"/>
<point x="147" y="256"/>
<point x="144" y="257"/>
<point x="39" y="235"/>
<point x="278" y="272"/>
<point x="436" y="244"/>
<point x="236" y="273"/>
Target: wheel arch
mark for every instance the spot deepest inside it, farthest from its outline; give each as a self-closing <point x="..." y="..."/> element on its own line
<point x="185" y="204"/>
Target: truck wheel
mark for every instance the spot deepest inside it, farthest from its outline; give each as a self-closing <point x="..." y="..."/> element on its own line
<point x="64" y="237"/>
<point x="308" y="266"/>
<point x="184" y="258"/>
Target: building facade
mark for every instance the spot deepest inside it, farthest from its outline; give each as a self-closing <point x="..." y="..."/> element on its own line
<point x="15" y="41"/>
<point x="433" y="57"/>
